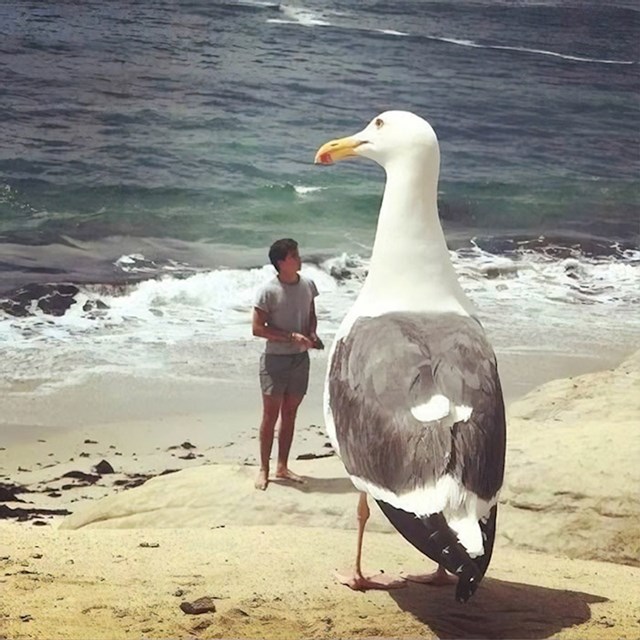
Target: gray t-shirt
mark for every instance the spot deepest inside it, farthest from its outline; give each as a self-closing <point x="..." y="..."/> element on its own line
<point x="289" y="309"/>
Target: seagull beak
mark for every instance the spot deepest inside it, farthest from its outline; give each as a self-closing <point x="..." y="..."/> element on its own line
<point x="335" y="150"/>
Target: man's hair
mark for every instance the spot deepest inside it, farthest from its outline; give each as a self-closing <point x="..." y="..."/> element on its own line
<point x="280" y="249"/>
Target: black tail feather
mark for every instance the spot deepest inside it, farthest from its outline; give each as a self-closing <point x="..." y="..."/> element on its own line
<point x="488" y="530"/>
<point x="433" y="537"/>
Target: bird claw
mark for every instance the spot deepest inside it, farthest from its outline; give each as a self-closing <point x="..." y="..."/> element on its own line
<point x="358" y="582"/>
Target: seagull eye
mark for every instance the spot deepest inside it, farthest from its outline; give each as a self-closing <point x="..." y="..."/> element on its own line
<point x="379" y="122"/>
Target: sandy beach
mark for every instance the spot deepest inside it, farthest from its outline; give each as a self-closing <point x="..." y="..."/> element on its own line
<point x="115" y="552"/>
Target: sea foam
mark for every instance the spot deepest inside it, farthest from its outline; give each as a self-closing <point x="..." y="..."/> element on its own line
<point x="169" y="324"/>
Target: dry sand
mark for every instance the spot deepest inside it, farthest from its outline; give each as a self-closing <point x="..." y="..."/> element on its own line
<point x="276" y="582"/>
<point x="566" y="563"/>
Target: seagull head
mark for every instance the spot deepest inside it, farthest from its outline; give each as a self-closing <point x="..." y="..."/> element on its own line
<point x="389" y="137"/>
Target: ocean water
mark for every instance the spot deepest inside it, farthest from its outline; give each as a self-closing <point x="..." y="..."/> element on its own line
<point x="150" y="152"/>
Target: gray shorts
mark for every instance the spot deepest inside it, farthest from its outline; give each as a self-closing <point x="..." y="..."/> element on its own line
<point x="284" y="374"/>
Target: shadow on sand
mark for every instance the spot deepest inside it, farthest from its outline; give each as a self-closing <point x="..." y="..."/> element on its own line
<point x="499" y="609"/>
<point x="320" y="485"/>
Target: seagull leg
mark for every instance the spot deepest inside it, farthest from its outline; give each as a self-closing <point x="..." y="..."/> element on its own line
<point x="355" y="579"/>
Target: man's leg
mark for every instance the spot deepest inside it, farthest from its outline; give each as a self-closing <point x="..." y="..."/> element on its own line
<point x="288" y="412"/>
<point x="270" y="410"/>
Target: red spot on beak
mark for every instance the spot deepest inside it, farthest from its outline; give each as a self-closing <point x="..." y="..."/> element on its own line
<point x="325" y="158"/>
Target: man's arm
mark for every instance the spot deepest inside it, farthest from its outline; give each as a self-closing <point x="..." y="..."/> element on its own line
<point x="262" y="329"/>
<point x="313" y="322"/>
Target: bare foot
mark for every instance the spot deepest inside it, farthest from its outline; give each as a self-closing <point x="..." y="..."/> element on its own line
<point x="358" y="582"/>
<point x="438" y="578"/>
<point x="285" y="474"/>
<point x="262" y="481"/>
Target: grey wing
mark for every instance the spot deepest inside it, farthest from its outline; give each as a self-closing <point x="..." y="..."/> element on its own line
<point x="390" y="373"/>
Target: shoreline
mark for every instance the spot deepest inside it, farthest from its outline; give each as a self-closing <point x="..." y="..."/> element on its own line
<point x="111" y="399"/>
<point x="144" y="427"/>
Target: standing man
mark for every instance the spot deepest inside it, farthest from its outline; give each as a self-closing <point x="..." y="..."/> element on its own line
<point x="283" y="313"/>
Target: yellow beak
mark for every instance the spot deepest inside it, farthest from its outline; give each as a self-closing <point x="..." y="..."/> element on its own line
<point x="335" y="150"/>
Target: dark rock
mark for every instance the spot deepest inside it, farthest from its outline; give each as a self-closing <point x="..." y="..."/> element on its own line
<point x="92" y="305"/>
<point x="188" y="445"/>
<point x="149" y="545"/>
<point x="201" y="605"/>
<point x="15" y="309"/>
<point x="136" y="483"/>
<point x="22" y="514"/>
<point x="84" y="454"/>
<point x="87" y="441"/>
<point x="8" y="492"/>
<point x="56" y="303"/>
<point x="89" y="478"/>
<point x="103" y="468"/>
<point x="314" y="456"/>
<point x="189" y="456"/>
<point x="132" y="481"/>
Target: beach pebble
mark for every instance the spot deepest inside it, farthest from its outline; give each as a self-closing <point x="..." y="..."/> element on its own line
<point x="149" y="545"/>
<point x="103" y="467"/>
<point x="201" y="605"/>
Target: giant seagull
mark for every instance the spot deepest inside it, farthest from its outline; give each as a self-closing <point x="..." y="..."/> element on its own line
<point x="413" y="402"/>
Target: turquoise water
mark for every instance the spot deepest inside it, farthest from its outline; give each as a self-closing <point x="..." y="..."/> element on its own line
<point x="196" y="120"/>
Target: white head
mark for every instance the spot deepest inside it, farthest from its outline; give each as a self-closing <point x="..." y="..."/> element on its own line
<point x="392" y="136"/>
